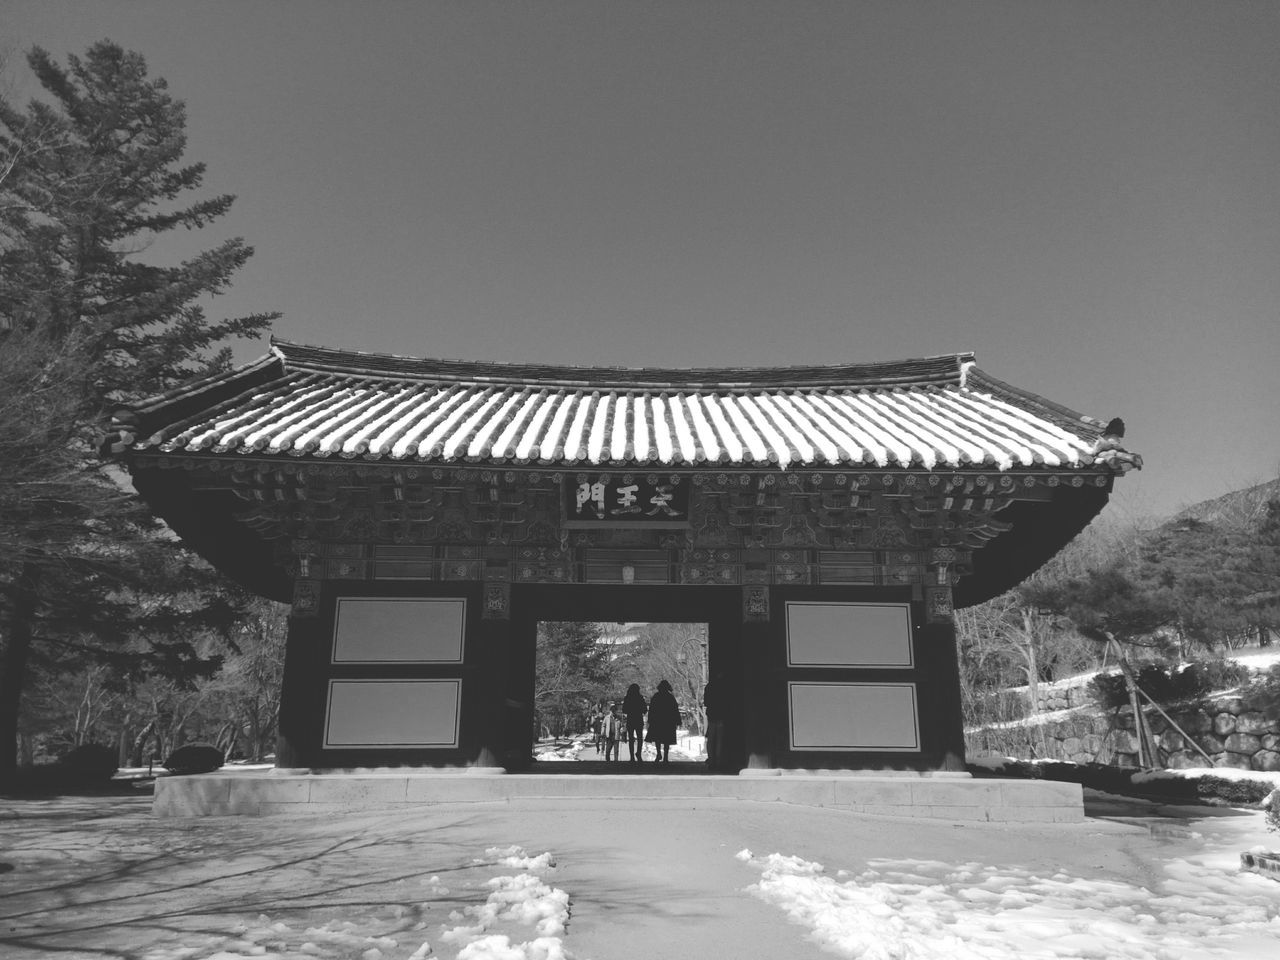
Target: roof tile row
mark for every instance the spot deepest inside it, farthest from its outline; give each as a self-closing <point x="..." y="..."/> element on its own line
<point x="309" y="413"/>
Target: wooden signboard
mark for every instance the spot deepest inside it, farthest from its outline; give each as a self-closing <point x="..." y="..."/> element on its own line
<point x="626" y="500"/>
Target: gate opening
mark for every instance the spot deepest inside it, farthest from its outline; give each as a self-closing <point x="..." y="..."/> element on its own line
<point x="584" y="667"/>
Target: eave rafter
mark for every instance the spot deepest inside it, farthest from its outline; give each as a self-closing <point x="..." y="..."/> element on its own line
<point x="809" y="527"/>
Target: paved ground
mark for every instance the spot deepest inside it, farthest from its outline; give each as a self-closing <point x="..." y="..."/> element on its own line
<point x="651" y="879"/>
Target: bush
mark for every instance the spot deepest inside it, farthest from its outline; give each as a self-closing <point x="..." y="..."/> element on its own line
<point x="1235" y="792"/>
<point x="1272" y="807"/>
<point x="88" y="763"/>
<point x="194" y="758"/>
<point x="1109" y="691"/>
<point x="1163" y="685"/>
<point x="1206" y="676"/>
<point x="1264" y="693"/>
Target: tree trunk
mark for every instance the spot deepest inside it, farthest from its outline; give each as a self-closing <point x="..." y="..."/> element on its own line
<point x="140" y="742"/>
<point x="227" y="738"/>
<point x="1033" y="667"/>
<point x="124" y="740"/>
<point x="255" y="736"/>
<point x="13" y="666"/>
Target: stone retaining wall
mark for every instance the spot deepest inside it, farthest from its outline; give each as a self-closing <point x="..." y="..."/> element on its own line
<point x="1062" y="698"/>
<point x="1233" y="731"/>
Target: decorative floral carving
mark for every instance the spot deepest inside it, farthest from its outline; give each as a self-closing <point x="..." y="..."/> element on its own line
<point x="938" y="606"/>
<point x="497" y="600"/>
<point x="755" y="603"/>
<point x="361" y="528"/>
<point x="306" y="598"/>
<point x="888" y="534"/>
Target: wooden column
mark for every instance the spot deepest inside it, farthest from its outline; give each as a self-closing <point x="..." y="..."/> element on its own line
<point x="296" y="733"/>
<point x="943" y="725"/>
<point x="487" y="677"/>
<point x="761" y="687"/>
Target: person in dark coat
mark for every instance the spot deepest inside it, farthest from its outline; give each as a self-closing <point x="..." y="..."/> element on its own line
<point x="634" y="707"/>
<point x="664" y="717"/>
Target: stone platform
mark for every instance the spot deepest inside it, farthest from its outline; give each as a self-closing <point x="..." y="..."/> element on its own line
<point x="941" y="796"/>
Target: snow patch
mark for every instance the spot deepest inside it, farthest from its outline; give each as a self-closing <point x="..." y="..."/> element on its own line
<point x="912" y="910"/>
<point x="523" y="899"/>
<point x="1222" y="773"/>
<point x="500" y="947"/>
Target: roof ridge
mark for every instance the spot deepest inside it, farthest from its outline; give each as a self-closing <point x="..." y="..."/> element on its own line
<point x="943" y="368"/>
<point x="977" y="379"/>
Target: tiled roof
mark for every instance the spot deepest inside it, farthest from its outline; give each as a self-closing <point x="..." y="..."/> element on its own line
<point x="312" y="402"/>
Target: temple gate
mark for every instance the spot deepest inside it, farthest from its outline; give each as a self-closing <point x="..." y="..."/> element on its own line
<point x="421" y="517"/>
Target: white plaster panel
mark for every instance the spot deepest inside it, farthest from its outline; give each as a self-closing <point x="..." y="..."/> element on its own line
<point x="869" y="635"/>
<point x="854" y="716"/>
<point x="392" y="713"/>
<point x="399" y="630"/>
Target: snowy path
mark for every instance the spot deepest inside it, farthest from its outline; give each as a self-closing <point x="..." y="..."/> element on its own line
<point x="620" y="879"/>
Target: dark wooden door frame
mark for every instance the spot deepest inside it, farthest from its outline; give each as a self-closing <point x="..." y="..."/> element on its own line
<point x="718" y="607"/>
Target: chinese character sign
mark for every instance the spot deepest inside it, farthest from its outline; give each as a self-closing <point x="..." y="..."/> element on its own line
<point x="626" y="500"/>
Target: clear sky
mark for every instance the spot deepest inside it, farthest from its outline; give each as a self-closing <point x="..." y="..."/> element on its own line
<point x="1085" y="194"/>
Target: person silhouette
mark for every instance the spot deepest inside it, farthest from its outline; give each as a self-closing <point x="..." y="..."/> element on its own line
<point x="664" y="717"/>
<point x="634" y="707"/>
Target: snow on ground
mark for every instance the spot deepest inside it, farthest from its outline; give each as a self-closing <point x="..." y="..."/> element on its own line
<point x="1260" y="659"/>
<point x="560" y="750"/>
<point x="580" y="748"/>
<point x="1222" y="773"/>
<point x="523" y="900"/>
<point x="522" y="918"/>
<point x="97" y="878"/>
<point x="918" y="909"/>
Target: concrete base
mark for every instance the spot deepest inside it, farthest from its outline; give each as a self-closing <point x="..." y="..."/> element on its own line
<point x="938" y="796"/>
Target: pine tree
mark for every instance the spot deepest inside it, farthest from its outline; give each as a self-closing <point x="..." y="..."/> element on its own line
<point x="91" y="176"/>
<point x="572" y="673"/>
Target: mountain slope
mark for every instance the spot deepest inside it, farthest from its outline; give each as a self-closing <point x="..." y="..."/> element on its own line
<point x="1244" y="507"/>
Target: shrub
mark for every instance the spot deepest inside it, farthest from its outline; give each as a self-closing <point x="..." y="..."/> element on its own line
<point x="1107" y="778"/>
<point x="194" y="758"/>
<point x="1272" y="807"/>
<point x="88" y="763"/>
<point x="1163" y="685"/>
<point x="1264" y="692"/>
<point x="1206" y="676"/>
<point x="1158" y="683"/>
<point x="1109" y="691"/>
<point x="1057" y="770"/>
<point x="1233" y="791"/>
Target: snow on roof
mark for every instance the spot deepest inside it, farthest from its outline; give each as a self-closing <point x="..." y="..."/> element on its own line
<point x="936" y="412"/>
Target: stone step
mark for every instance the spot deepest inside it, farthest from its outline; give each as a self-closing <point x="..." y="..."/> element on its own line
<point x="937" y="796"/>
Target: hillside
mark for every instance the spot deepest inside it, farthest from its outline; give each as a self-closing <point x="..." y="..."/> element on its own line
<point x="1246" y="507"/>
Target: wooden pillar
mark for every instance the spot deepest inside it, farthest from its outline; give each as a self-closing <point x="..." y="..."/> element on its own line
<point x="518" y="653"/>
<point x="941" y="693"/>
<point x="760" y="683"/>
<point x="487" y="677"/>
<point x="295" y="733"/>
